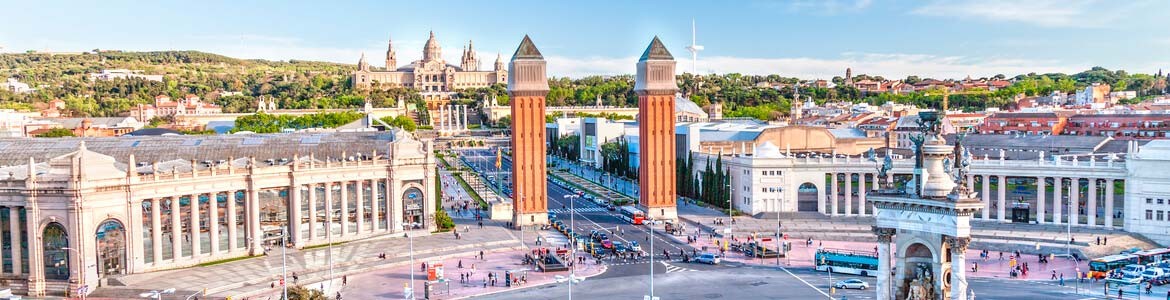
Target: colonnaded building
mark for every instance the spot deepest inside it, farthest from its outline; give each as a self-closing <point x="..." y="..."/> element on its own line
<point x="433" y="77"/>
<point x="76" y="211"/>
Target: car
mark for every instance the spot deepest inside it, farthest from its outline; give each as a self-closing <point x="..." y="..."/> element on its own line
<point x="619" y="247"/>
<point x="635" y="247"/>
<point x="1152" y="273"/>
<point x="851" y="284"/>
<point x="708" y="258"/>
<point x="600" y="236"/>
<point x="607" y="244"/>
<point x="611" y="207"/>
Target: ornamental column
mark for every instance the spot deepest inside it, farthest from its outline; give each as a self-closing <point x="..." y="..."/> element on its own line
<point x="1001" y="215"/>
<point x="344" y="208"/>
<point x="861" y="195"/>
<point x="884" y="237"/>
<point x="1092" y="202"/>
<point x="656" y="87"/>
<point x="233" y="234"/>
<point x="374" y="205"/>
<point x="528" y="87"/>
<point x="14" y="234"/>
<point x="196" y="246"/>
<point x="1041" y="190"/>
<point x="254" y="230"/>
<point x="833" y="190"/>
<point x="958" y="246"/>
<point x="359" y="187"/>
<point x="1109" y="203"/>
<point x="294" y="219"/>
<point x="312" y="211"/>
<point x="986" y="197"/>
<point x="176" y="229"/>
<point x="1074" y="202"/>
<point x="213" y="222"/>
<point x="155" y="230"/>
<point x="848" y="194"/>
<point x="328" y="209"/>
<point x="1057" y="200"/>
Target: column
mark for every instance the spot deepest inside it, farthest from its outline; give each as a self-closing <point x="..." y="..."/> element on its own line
<point x="361" y="203"/>
<point x="176" y="228"/>
<point x="344" y="208"/>
<point x="194" y="227"/>
<point x="1092" y="202"/>
<point x="395" y="213"/>
<point x="884" y="237"/>
<point x="822" y="194"/>
<point x="231" y="221"/>
<point x="294" y="219"/>
<point x="958" y="247"/>
<point x="14" y="234"/>
<point x="374" y="205"/>
<point x="848" y="194"/>
<point x="833" y="190"/>
<point x="1074" y="201"/>
<point x="156" y="230"/>
<point x="312" y="211"/>
<point x="1002" y="198"/>
<point x="1041" y="191"/>
<point x="254" y="219"/>
<point x="213" y="222"/>
<point x="986" y="197"/>
<point x="861" y="195"/>
<point x="1057" y="200"/>
<point x="1109" y="203"/>
<point x="465" y="117"/>
<point x="329" y="208"/>
<point x="393" y="206"/>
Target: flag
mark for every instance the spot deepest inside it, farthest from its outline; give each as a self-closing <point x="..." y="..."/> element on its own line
<point x="499" y="158"/>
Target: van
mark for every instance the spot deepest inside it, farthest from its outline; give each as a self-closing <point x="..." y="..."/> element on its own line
<point x="1152" y="273"/>
<point x="1133" y="270"/>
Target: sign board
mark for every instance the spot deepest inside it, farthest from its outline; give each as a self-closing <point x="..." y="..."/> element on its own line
<point x="434" y="271"/>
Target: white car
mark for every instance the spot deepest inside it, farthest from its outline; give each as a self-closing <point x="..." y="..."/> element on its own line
<point x="851" y="284"/>
<point x="1152" y="273"/>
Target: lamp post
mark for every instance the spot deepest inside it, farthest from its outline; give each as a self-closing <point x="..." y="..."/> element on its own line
<point x="80" y="278"/>
<point x="406" y="228"/>
<point x="283" y="261"/>
<point x="572" y="242"/>
<point x="780" y="196"/>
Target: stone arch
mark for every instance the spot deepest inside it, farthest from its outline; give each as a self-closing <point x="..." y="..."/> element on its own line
<point x="920" y="250"/>
<point x="807" y="194"/>
<point x="55" y="239"/>
<point x="111" y="241"/>
<point x="414" y="199"/>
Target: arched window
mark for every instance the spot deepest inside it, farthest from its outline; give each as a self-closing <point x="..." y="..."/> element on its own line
<point x="111" y="248"/>
<point x="55" y="255"/>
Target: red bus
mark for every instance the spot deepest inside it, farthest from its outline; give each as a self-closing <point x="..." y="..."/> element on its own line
<point x="634" y="215"/>
<point x="1153" y="256"/>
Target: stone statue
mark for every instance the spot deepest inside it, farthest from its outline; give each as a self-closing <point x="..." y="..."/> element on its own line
<point x="918" y="140"/>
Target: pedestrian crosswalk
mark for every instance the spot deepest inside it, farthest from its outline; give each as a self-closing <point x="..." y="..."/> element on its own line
<point x="673" y="268"/>
<point x="580" y="210"/>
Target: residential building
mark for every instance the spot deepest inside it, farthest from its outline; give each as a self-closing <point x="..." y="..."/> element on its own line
<point x="1024" y="123"/>
<point x="95" y="127"/>
<point x="164" y="107"/>
<point x="123" y="74"/>
<point x="562" y="127"/>
<point x="1095" y="93"/>
<point x="15" y="86"/>
<point x="1120" y="126"/>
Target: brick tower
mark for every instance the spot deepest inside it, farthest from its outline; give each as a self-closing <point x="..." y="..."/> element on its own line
<point x="656" y="87"/>
<point x="528" y="86"/>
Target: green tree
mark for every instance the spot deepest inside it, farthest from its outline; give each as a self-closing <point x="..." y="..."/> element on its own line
<point x="57" y="132"/>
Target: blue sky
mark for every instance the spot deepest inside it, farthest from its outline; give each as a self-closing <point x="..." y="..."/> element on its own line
<point x="808" y="39"/>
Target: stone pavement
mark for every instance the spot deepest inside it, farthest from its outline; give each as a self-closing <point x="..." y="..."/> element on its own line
<point x="255" y="275"/>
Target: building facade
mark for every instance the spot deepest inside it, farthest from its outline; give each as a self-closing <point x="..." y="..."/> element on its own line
<point x="1024" y="123"/>
<point x="80" y="210"/>
<point x="432" y="76"/>
<point x="1120" y="126"/>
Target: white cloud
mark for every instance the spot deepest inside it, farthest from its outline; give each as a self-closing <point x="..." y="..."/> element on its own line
<point x="881" y="64"/>
<point x="829" y="7"/>
<point x="1046" y="13"/>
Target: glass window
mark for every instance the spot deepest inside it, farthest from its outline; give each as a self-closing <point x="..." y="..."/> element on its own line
<point x="1149" y="214"/>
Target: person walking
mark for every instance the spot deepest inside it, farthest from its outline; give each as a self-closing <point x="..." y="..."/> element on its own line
<point x="1061" y="278"/>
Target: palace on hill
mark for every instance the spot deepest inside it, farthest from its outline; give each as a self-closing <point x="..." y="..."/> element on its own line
<point x="433" y="77"/>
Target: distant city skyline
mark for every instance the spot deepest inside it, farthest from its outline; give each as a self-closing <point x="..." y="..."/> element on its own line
<point x="806" y="39"/>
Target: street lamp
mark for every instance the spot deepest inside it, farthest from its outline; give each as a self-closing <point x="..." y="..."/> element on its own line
<point x="80" y="279"/>
<point x="156" y="295"/>
<point x="780" y="196"/>
<point x="572" y="243"/>
<point x="406" y="227"/>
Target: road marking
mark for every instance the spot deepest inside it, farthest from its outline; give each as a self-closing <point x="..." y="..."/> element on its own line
<point x="806" y="282"/>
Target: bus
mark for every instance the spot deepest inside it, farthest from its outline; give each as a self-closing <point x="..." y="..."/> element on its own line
<point x="1099" y="267"/>
<point x="633" y="215"/>
<point x="1153" y="256"/>
<point x="862" y="263"/>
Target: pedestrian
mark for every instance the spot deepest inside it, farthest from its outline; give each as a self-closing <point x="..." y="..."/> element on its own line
<point x="1053" y="274"/>
<point x="1098" y="240"/>
<point x="1105" y="241"/>
<point x="1061" y="278"/>
<point x="344" y="280"/>
<point x="974" y="267"/>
